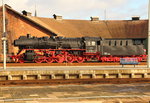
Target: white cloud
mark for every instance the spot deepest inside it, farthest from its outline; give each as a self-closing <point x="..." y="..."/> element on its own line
<point x="81" y="9"/>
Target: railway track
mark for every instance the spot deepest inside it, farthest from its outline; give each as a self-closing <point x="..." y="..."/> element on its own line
<point x="63" y="64"/>
<point x="73" y="81"/>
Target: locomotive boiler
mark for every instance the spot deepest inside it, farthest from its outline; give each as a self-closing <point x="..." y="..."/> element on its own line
<point x="62" y="49"/>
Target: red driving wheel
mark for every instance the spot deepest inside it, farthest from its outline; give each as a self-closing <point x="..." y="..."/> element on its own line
<point x="49" y="60"/>
<point x="70" y="58"/>
<point x="38" y="59"/>
<point x="59" y="58"/>
<point x="80" y="59"/>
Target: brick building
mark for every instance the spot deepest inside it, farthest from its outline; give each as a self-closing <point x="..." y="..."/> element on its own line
<point x="18" y="24"/>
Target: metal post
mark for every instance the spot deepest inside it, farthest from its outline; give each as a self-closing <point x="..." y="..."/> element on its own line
<point x="4" y="38"/>
<point x="148" y="60"/>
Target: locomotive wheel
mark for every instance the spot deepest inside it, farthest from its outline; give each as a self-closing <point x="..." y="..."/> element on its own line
<point x="49" y="60"/>
<point x="15" y="59"/>
<point x="139" y="59"/>
<point x="70" y="58"/>
<point x="59" y="58"/>
<point x="38" y="59"/>
<point x="103" y="59"/>
<point x="21" y="61"/>
<point x="87" y="58"/>
<point x="80" y="59"/>
<point x="116" y="59"/>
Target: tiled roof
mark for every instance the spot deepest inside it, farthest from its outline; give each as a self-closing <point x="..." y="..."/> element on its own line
<point x="105" y="29"/>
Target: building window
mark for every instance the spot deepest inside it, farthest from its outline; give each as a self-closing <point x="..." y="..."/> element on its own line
<point x="121" y="43"/>
<point x="115" y="43"/>
<point x="93" y="43"/>
<point x="126" y="43"/>
<point x="109" y="43"/>
<point x="88" y="43"/>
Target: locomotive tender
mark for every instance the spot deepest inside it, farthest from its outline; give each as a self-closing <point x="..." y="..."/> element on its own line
<point x="61" y="49"/>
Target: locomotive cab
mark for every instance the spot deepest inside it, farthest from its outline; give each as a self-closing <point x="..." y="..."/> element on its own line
<point x="91" y="44"/>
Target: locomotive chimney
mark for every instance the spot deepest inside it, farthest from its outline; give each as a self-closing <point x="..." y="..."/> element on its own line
<point x="135" y="17"/>
<point x="57" y="17"/>
<point x="94" y="18"/>
<point x="26" y="13"/>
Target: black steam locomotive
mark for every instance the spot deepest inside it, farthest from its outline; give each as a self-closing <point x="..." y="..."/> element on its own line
<point x="61" y="49"/>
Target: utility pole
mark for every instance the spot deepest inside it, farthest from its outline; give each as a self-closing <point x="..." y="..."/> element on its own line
<point x="148" y="59"/>
<point x="4" y="37"/>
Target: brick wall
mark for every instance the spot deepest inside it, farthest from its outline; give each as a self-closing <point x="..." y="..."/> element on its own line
<point x="17" y="26"/>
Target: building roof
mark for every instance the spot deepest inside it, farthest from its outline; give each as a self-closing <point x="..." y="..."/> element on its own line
<point x="27" y="18"/>
<point x="101" y="28"/>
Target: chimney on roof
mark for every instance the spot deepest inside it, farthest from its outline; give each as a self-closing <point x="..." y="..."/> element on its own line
<point x="57" y="17"/>
<point x="135" y="17"/>
<point x="94" y="18"/>
<point x="26" y="13"/>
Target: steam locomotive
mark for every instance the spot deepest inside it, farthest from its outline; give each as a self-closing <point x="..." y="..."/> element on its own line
<point x="62" y="49"/>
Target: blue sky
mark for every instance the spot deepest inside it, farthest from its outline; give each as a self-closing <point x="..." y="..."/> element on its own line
<point x="84" y="9"/>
